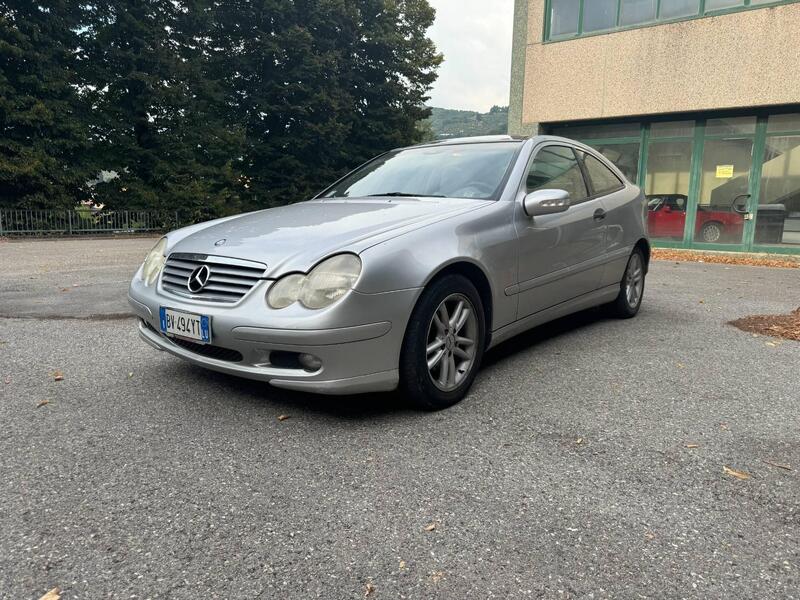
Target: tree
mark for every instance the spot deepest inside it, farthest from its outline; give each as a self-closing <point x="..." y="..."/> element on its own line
<point x="323" y="85"/>
<point x="43" y="131"/>
<point x="159" y="116"/>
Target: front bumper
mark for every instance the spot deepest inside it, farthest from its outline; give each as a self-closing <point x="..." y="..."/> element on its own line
<point x="357" y="340"/>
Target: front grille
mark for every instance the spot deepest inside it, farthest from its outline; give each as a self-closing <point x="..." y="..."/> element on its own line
<point x="229" y="281"/>
<point x="208" y="351"/>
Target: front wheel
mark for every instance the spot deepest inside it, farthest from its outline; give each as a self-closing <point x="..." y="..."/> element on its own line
<point x="711" y="232"/>
<point x="444" y="344"/>
<point x="631" y="289"/>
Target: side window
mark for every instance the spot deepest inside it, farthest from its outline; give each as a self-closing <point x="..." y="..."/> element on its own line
<point x="603" y="179"/>
<point x="556" y="167"/>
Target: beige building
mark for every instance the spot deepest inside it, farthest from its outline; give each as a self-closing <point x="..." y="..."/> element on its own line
<point x="697" y="101"/>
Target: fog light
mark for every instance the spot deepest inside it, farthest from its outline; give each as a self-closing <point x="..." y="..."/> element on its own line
<point x="310" y="362"/>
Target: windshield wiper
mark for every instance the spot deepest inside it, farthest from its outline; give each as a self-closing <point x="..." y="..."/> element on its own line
<point x="404" y="195"/>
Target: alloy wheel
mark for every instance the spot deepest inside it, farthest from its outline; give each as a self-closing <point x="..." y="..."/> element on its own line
<point x="634" y="280"/>
<point x="452" y="336"/>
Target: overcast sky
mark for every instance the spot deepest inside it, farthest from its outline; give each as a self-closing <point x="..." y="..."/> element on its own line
<point x="475" y="38"/>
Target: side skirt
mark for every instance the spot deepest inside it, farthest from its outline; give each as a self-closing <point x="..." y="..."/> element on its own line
<point x="596" y="298"/>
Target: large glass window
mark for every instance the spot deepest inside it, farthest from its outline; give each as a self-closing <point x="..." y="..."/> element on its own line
<point x="778" y="214"/>
<point x="720" y="4"/>
<point x="669" y="165"/>
<point x="674" y="9"/>
<point x="599" y="15"/>
<point x="564" y="16"/>
<point x="634" y="12"/>
<point x="565" y="19"/>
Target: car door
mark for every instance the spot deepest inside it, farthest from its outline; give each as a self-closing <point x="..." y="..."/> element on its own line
<point x="561" y="255"/>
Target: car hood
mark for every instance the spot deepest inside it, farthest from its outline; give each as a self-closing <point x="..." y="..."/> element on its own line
<point x="294" y="237"/>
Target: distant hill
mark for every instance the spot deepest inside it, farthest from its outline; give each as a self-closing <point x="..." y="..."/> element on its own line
<point x="446" y="123"/>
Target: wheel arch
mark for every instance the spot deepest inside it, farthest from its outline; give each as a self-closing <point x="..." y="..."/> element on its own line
<point x="644" y="245"/>
<point x="476" y="275"/>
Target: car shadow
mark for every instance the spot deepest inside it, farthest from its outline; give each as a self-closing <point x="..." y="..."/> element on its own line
<point x="538" y="335"/>
<point x="375" y="405"/>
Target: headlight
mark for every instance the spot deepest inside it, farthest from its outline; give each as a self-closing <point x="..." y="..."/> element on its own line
<point x="154" y="262"/>
<point x="327" y="283"/>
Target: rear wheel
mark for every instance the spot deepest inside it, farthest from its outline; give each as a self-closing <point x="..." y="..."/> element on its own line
<point x="631" y="289"/>
<point x="444" y="344"/>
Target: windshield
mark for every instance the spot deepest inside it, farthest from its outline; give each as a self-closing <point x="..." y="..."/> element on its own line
<point x="457" y="171"/>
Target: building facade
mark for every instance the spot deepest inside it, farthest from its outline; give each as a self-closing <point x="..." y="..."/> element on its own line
<point x="696" y="101"/>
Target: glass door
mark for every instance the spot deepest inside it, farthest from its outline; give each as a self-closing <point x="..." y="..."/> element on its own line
<point x="724" y="197"/>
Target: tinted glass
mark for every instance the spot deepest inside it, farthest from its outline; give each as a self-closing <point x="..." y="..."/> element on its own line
<point x="590" y="132"/>
<point x="778" y="214"/>
<point x="717" y="4"/>
<point x="732" y="126"/>
<point x="781" y="123"/>
<point x="564" y="17"/>
<point x="624" y="156"/>
<point x="599" y="15"/>
<point x="637" y="11"/>
<point x="458" y="171"/>
<point x="673" y="9"/>
<point x="672" y="129"/>
<point x="603" y="179"/>
<point x="556" y="167"/>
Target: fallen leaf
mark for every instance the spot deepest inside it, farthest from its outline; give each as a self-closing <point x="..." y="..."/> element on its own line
<point x="58" y="376"/>
<point x="779" y="465"/>
<point x="130" y="375"/>
<point x="66" y="290"/>
<point x="734" y="473"/>
<point x="402" y="564"/>
<point x="437" y="576"/>
<point x="681" y="366"/>
<point x="368" y="589"/>
<point x="650" y="535"/>
<point x="283" y="417"/>
<point x="771" y="344"/>
<point x="692" y="446"/>
<point x="702" y="301"/>
<point x="723" y="426"/>
<point x="43" y="403"/>
<point x="54" y="594"/>
<point x="430" y="527"/>
<point x="579" y="441"/>
<point x="7" y="380"/>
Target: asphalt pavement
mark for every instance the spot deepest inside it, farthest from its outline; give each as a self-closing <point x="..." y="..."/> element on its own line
<point x="588" y="461"/>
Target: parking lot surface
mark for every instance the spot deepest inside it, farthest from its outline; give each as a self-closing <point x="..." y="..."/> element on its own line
<point x="588" y="461"/>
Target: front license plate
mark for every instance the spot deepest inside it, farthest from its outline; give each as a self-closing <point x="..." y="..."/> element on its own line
<point x="186" y="325"/>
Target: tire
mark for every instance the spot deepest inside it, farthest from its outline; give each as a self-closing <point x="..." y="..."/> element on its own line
<point x="631" y="289"/>
<point x="712" y="232"/>
<point x="428" y="337"/>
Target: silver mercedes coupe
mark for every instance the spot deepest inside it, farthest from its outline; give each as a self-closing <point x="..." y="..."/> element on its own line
<point x="402" y="273"/>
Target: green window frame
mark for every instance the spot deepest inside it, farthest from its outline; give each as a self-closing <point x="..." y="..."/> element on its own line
<point x="698" y="136"/>
<point x="703" y="12"/>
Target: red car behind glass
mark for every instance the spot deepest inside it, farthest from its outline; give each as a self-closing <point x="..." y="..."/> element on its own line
<point x="666" y="218"/>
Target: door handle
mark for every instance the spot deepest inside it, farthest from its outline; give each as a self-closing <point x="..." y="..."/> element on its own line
<point x="599" y="214"/>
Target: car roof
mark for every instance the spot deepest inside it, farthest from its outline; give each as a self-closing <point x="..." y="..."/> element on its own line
<point x="479" y="139"/>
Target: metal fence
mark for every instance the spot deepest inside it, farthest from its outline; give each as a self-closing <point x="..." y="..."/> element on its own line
<point x="84" y="221"/>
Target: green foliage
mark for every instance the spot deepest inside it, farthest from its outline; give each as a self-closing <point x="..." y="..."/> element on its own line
<point x="43" y="122"/>
<point x="446" y="123"/>
<point x="207" y="106"/>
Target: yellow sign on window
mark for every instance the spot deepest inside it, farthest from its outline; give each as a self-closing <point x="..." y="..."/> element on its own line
<point x="724" y="171"/>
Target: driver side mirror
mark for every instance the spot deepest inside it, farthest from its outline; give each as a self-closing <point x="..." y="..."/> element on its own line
<point x="546" y="202"/>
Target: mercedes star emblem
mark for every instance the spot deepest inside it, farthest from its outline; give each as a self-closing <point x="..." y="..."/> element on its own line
<point x="198" y="279"/>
